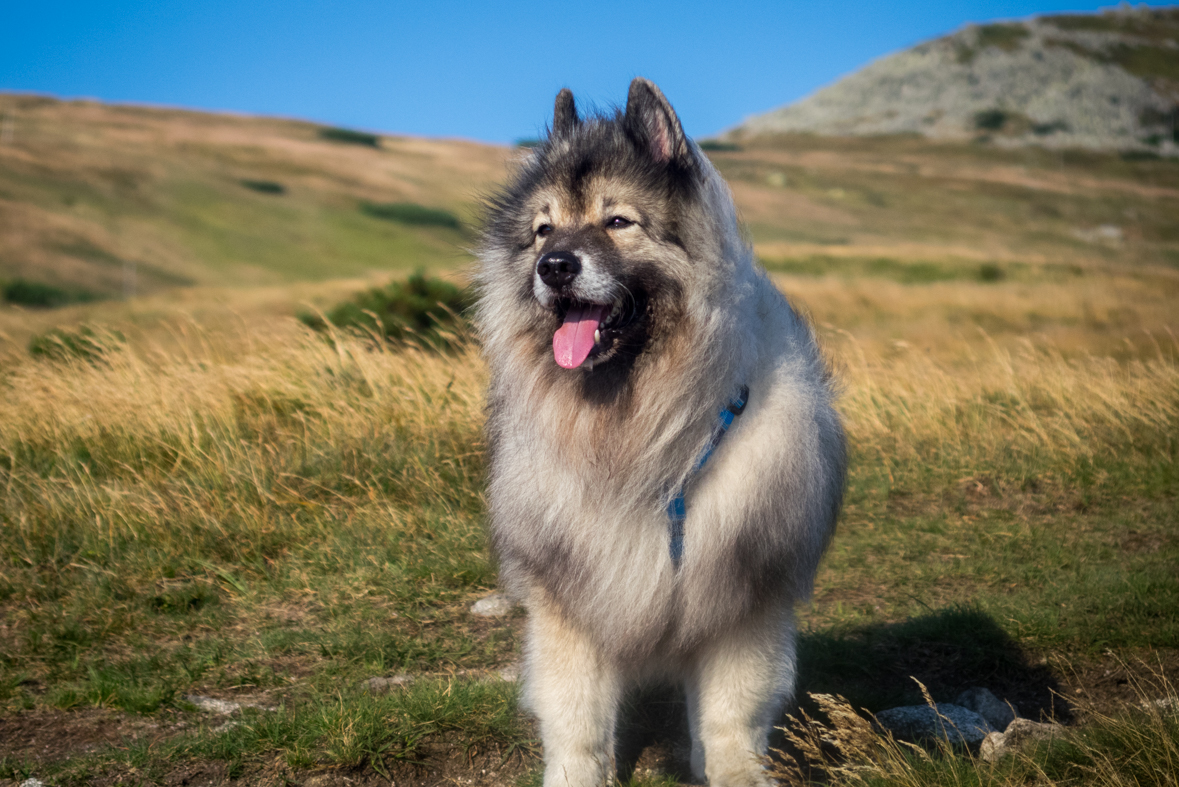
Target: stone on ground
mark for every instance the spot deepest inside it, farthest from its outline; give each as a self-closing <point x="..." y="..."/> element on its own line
<point x="923" y="723"/>
<point x="1019" y="733"/>
<point x="997" y="712"/>
<point x="494" y="606"/>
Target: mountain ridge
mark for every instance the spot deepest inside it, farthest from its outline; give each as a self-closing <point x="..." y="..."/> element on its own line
<point x="1107" y="81"/>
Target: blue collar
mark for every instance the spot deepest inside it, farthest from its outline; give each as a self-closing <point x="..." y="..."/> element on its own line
<point x="677" y="509"/>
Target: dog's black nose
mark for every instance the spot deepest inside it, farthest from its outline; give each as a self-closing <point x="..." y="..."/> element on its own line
<point x="558" y="268"/>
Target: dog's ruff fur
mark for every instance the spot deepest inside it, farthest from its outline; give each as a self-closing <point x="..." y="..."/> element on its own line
<point x="583" y="460"/>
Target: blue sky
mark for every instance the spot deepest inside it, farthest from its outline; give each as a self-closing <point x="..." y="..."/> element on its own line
<point x="485" y="71"/>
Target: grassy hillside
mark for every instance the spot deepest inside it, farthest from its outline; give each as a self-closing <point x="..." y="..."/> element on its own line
<point x="115" y="199"/>
<point x="112" y="201"/>
<point x="956" y="205"/>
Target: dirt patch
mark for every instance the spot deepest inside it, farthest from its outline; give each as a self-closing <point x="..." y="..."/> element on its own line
<point x="48" y="736"/>
<point x="445" y="762"/>
<point x="1110" y="682"/>
<point x="653" y="730"/>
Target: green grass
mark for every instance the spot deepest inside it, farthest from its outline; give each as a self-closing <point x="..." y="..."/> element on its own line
<point x="356" y="728"/>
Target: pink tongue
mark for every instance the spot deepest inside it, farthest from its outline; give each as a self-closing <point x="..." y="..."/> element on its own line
<point x="575" y="338"/>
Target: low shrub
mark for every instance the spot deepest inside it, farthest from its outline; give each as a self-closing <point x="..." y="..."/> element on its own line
<point x="423" y="309"/>
<point x="264" y="186"/>
<point x="23" y="292"/>
<point x="1045" y="129"/>
<point x="411" y="213"/>
<point x="350" y="137"/>
<point x="83" y="343"/>
<point x="990" y="119"/>
<point x="1002" y="36"/>
<point x="990" y="271"/>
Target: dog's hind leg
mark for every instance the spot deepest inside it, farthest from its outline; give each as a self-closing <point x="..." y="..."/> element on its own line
<point x="575" y="693"/>
<point x="735" y="693"/>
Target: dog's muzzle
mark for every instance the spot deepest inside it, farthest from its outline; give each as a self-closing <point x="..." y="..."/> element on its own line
<point x="558" y="269"/>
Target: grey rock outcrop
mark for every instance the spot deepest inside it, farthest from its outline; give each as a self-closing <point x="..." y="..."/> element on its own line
<point x="1108" y="81"/>
<point x="918" y="723"/>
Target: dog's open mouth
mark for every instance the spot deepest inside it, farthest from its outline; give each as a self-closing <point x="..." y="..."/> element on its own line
<point x="592" y="330"/>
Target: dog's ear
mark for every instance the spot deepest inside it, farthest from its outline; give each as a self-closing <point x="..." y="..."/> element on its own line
<point x="651" y="120"/>
<point x="564" y="114"/>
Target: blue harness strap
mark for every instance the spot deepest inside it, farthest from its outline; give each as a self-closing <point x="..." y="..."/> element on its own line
<point x="677" y="509"/>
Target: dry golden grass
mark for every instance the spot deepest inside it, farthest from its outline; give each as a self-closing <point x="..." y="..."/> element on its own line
<point x="998" y="406"/>
<point x="974" y="399"/>
<point x="1105" y="313"/>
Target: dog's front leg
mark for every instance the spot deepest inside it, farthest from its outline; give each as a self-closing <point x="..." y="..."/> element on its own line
<point x="574" y="692"/>
<point x="735" y="693"/>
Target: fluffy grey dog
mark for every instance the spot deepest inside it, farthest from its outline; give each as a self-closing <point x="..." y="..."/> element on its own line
<point x="666" y="467"/>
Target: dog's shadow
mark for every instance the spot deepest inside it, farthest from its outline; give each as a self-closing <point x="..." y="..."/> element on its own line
<point x="873" y="666"/>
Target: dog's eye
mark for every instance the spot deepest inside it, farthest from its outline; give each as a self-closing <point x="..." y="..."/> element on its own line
<point x="544" y="230"/>
<point x="618" y="223"/>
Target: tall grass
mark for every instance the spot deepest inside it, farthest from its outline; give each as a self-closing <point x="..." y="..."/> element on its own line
<point x="1135" y="746"/>
<point x="157" y="495"/>
<point x="186" y="457"/>
<point x="1021" y="417"/>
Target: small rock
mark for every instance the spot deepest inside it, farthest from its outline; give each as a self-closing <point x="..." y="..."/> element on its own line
<point x="384" y="685"/>
<point x="223" y="707"/>
<point x="494" y="606"/>
<point x="1105" y="232"/>
<point x="997" y="712"/>
<point x="213" y="705"/>
<point x="1165" y="703"/>
<point x="32" y="783"/>
<point x="1018" y="733"/>
<point x="923" y="723"/>
<point x="510" y="673"/>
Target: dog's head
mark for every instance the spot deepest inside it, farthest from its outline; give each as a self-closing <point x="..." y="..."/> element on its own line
<point x="593" y="238"/>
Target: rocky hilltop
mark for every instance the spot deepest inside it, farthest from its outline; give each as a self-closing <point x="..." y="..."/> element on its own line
<point x="1100" y="81"/>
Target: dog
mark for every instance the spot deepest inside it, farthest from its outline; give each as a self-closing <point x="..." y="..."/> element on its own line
<point x="665" y="466"/>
